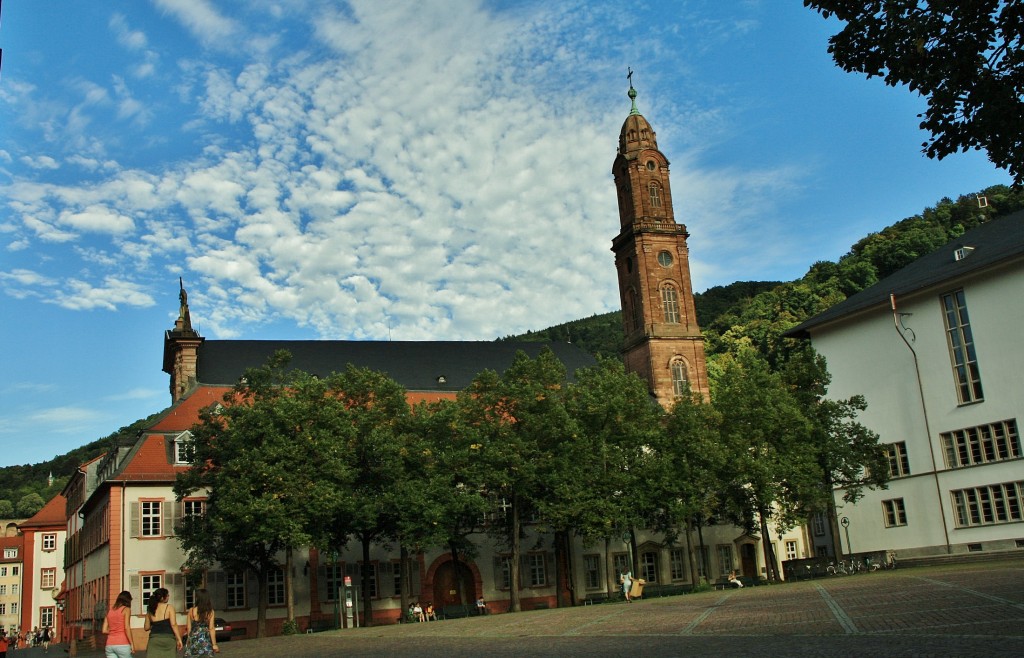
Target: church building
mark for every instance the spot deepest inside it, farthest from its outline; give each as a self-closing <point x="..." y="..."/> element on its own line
<point x="122" y="510"/>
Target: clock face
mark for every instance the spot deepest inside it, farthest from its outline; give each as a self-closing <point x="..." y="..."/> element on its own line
<point x="665" y="259"/>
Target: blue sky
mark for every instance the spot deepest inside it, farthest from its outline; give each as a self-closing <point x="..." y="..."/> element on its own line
<point x="427" y="169"/>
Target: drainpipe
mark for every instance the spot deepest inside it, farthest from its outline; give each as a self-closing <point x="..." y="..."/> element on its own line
<point x="924" y="413"/>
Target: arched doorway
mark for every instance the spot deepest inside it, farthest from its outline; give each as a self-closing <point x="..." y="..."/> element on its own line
<point x="453" y="585"/>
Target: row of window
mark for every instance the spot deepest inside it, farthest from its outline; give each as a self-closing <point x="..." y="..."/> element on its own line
<point x="971" y="446"/>
<point x="14" y="570"/>
<point x="14" y="590"/>
<point x="974" y="506"/>
<point x="4" y="608"/>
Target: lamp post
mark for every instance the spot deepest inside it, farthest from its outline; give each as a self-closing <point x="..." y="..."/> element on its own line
<point x="845" y="522"/>
<point x="58" y="621"/>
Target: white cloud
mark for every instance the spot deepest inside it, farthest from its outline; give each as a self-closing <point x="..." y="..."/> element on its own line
<point x="40" y="162"/>
<point x="126" y="36"/>
<point x="80" y="295"/>
<point x="203" y="21"/>
<point x="97" y="218"/>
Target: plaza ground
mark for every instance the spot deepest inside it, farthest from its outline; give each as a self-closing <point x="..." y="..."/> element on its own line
<point x="966" y="609"/>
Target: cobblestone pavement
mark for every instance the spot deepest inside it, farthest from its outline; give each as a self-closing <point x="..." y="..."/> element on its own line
<point x="961" y="610"/>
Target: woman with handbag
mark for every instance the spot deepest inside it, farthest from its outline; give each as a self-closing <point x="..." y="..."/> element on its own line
<point x="201" y="629"/>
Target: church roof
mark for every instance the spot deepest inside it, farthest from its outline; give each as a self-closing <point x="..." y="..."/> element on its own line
<point x="992" y="244"/>
<point x="416" y="365"/>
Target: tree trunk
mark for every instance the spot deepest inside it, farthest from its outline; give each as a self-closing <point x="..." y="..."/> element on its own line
<point x="609" y="567"/>
<point x="405" y="574"/>
<point x="689" y="553"/>
<point x="364" y="581"/>
<point x="700" y="539"/>
<point x="833" y="529"/>
<point x="769" y="554"/>
<point x="515" y="605"/>
<point x="261" y="606"/>
<point x="289" y="591"/>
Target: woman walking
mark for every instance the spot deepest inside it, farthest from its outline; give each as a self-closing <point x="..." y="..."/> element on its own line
<point x="117" y="625"/>
<point x="201" y="635"/>
<point x="161" y="622"/>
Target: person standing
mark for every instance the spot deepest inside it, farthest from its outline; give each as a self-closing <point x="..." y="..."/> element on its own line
<point x="200" y="628"/>
<point x="627" y="585"/>
<point x="3" y="643"/>
<point x="117" y="625"/>
<point x="46" y="638"/>
<point x="161" y="622"/>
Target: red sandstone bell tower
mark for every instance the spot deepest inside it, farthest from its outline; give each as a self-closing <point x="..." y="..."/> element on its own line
<point x="181" y="348"/>
<point x="663" y="343"/>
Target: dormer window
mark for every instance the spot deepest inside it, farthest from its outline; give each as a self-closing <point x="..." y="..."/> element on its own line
<point x="962" y="253"/>
<point x="183" y="448"/>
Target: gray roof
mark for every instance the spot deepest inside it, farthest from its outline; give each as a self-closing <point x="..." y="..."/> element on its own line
<point x="993" y="243"/>
<point x="415" y="365"/>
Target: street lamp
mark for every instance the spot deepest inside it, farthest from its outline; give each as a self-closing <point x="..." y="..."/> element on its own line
<point x="845" y="522"/>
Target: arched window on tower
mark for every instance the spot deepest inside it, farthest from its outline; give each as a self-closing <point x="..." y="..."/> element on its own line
<point x="670" y="303"/>
<point x="679" y="377"/>
<point x="655" y="192"/>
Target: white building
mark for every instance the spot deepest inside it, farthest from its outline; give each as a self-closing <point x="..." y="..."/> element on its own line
<point x="43" y="536"/>
<point x="936" y="350"/>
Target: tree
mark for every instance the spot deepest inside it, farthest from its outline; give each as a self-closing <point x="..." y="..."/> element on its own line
<point x="767" y="438"/>
<point x="6" y="509"/>
<point x="377" y="410"/>
<point x="849" y="454"/>
<point x="966" y="58"/>
<point x="30" y="504"/>
<point x="515" y="420"/>
<point x="599" y="486"/>
<point x="272" y="458"/>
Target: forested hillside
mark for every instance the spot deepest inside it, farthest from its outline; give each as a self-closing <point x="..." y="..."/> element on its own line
<point x="747" y="312"/>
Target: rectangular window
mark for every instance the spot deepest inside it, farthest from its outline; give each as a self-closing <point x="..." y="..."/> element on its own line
<point x="536" y="569"/>
<point x="982" y="444"/>
<point x="10" y="553"/>
<point x="895" y="512"/>
<point x="3" y="571"/>
<point x="649" y="566"/>
<point x="790" y="550"/>
<point x="14" y="589"/>
<point x="3" y="608"/>
<point x="620" y="562"/>
<point x="236" y="590"/>
<point x="989" y="505"/>
<point x="48" y="578"/>
<point x="335" y="579"/>
<point x="275" y="587"/>
<point x="703" y="561"/>
<point x="50" y="541"/>
<point x="194" y="506"/>
<point x="151" y="517"/>
<point x="670" y="302"/>
<point x="677" y="563"/>
<point x="150" y="583"/>
<point x="183" y="449"/>
<point x="724" y="552"/>
<point x="14" y="608"/>
<point x="899" y="464"/>
<point x="15" y="571"/>
<point x="818" y="523"/>
<point x="3" y="590"/>
<point x="46" y="616"/>
<point x="503" y="572"/>
<point x="961" y="347"/>
<point x="592" y="571"/>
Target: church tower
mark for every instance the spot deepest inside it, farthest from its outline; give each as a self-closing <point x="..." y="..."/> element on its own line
<point x="181" y="349"/>
<point x="663" y="343"/>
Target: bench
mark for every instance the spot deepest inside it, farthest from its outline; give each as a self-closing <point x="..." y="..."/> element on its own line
<point x="723" y="582"/>
<point x="657" y="591"/>
<point x="456" y="611"/>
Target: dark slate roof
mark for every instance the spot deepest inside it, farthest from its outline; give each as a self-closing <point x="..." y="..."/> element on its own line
<point x="995" y="242"/>
<point x="414" y="365"/>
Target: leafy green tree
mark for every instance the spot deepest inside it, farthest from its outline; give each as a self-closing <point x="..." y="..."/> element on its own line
<point x="6" y="509"/>
<point x="268" y="456"/>
<point x="849" y="454"/>
<point x="963" y="57"/>
<point x="30" y="504"/>
<point x="598" y="485"/>
<point x="766" y="436"/>
<point x="693" y="466"/>
<point x="515" y="420"/>
<point x="378" y="412"/>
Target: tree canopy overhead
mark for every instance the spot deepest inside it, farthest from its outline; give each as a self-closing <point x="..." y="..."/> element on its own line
<point x="964" y="57"/>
